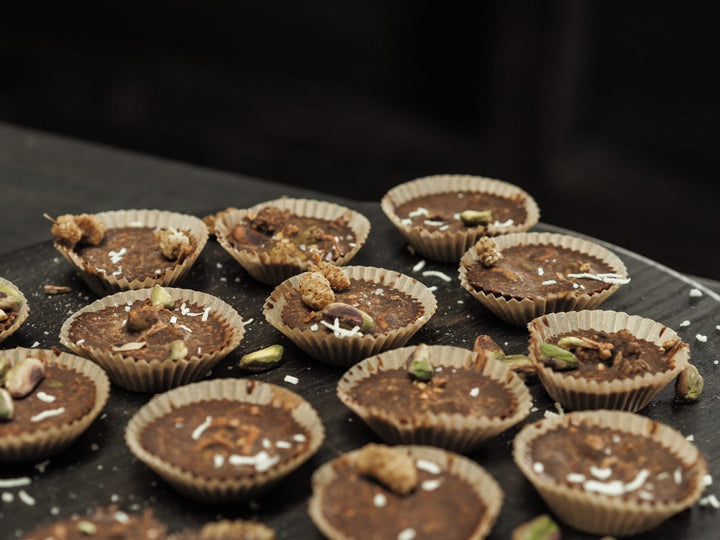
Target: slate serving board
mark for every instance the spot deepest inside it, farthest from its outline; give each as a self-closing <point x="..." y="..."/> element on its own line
<point x="100" y="470"/>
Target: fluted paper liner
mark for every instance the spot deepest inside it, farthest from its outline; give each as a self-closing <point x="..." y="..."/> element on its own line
<point x="42" y="443"/>
<point x="482" y="483"/>
<point x="628" y="393"/>
<point x="23" y="312"/>
<point x="215" y="490"/>
<point x="598" y="513"/>
<point x="520" y="312"/>
<point x="456" y="432"/>
<point x="345" y="351"/>
<point x="270" y="271"/>
<point x="105" y="283"/>
<point x="450" y="246"/>
<point x="227" y="530"/>
<point x="157" y="374"/>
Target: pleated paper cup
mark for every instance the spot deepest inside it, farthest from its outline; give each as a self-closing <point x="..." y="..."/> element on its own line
<point x="520" y="311"/>
<point x="227" y="530"/>
<point x="450" y="246"/>
<point x="486" y="489"/>
<point x="140" y="375"/>
<point x="33" y="445"/>
<point x="15" y="317"/>
<point x="627" y="393"/>
<point x="599" y="513"/>
<point x="271" y="271"/>
<point x="102" y="283"/>
<point x="193" y="484"/>
<point x="345" y="351"/>
<point x="457" y="432"/>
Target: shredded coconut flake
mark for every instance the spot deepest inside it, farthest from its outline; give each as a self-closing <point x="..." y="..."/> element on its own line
<point x="475" y="392"/>
<point x="39" y="417"/>
<point x="701" y="338"/>
<point x="379" y="500"/>
<point x="695" y="293"/>
<point x="710" y="500"/>
<point x="45" y="398"/>
<point x="605" y="278"/>
<point x="420" y="211"/>
<point x="538" y="467"/>
<point x="685" y="323"/>
<point x="419" y="266"/>
<point x="541" y="272"/>
<point x="601" y="474"/>
<point x="15" y="482"/>
<point x="549" y="282"/>
<point x="428" y="466"/>
<point x="406" y="534"/>
<point x="430" y="485"/>
<point x="245" y="323"/>
<point x="25" y="497"/>
<point x="575" y="478"/>
<point x="437" y="274"/>
<point x="290" y="379"/>
<point x="198" y="431"/>
<point x="262" y="461"/>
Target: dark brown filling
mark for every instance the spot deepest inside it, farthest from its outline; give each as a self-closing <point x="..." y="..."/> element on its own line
<point x="62" y="397"/>
<point x="389" y="308"/>
<point x="602" y="460"/>
<point x="221" y="438"/>
<point x="442" y="506"/>
<point x="110" y="524"/>
<point x="440" y="211"/>
<point x="106" y="329"/>
<point x="450" y="391"/>
<point x="283" y="235"/>
<point x="628" y="357"/>
<point x="532" y="271"/>
<point x="129" y="252"/>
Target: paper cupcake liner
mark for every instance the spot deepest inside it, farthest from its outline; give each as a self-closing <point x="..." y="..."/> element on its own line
<point x="629" y="394"/>
<point x="104" y="283"/>
<point x="345" y="351"/>
<point x="520" y="312"/>
<point x="22" y="315"/>
<point x="450" y="246"/>
<point x="601" y="514"/>
<point x="227" y="530"/>
<point x="42" y="443"/>
<point x="483" y="484"/>
<point x="457" y="432"/>
<point x="156" y="375"/>
<point x="216" y="490"/>
<point x="262" y="266"/>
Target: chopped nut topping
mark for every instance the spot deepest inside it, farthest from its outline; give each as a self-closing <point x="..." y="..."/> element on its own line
<point x="334" y="274"/>
<point x="173" y="244"/>
<point x="488" y="252"/>
<point x="316" y="291"/>
<point x="393" y="468"/>
<point x="84" y="228"/>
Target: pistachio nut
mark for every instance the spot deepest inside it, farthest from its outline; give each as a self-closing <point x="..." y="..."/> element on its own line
<point x="418" y="364"/>
<point x="7" y="407"/>
<point x="263" y="359"/>
<point x="160" y="297"/>
<point x="476" y="217"/>
<point x="519" y="363"/>
<point x="348" y="316"/>
<point x="3" y="315"/>
<point x="23" y="377"/>
<point x="570" y="342"/>
<point x="540" y="528"/>
<point x="86" y="527"/>
<point x="142" y="318"/>
<point x="484" y="343"/>
<point x="557" y="358"/>
<point x="177" y="350"/>
<point x="9" y="298"/>
<point x="689" y="384"/>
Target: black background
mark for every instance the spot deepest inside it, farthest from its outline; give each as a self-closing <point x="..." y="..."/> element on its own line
<point x="606" y="112"/>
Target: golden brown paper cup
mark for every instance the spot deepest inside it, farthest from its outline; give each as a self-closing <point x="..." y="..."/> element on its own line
<point x="102" y="283"/>
<point x="42" y="443"/>
<point x="520" y="312"/>
<point x="345" y="351"/>
<point x="450" y="246"/>
<point x="215" y="490"/>
<point x="158" y="374"/>
<point x="270" y="271"/>
<point x="598" y="513"/>
<point x="456" y="432"/>
<point x="630" y="393"/>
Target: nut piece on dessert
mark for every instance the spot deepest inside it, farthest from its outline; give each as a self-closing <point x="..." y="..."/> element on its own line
<point x="392" y="468"/>
<point x="519" y="363"/>
<point x="262" y="360"/>
<point x="541" y="528"/>
<point x="689" y="384"/>
<point x="173" y="244"/>
<point x="488" y="251"/>
<point x="316" y="291"/>
<point x="23" y="377"/>
<point x="85" y="229"/>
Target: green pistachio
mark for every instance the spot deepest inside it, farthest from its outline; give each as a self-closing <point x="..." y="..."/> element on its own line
<point x="540" y="528"/>
<point x="569" y="342"/>
<point x="557" y="358"/>
<point x="87" y="528"/>
<point x="419" y="366"/>
<point x="160" y="297"/>
<point x="9" y="298"/>
<point x="348" y="316"/>
<point x="520" y="363"/>
<point x="177" y="350"/>
<point x="261" y="360"/>
<point x="689" y="384"/>
<point x="7" y="407"/>
<point x="23" y="377"/>
<point x="476" y="217"/>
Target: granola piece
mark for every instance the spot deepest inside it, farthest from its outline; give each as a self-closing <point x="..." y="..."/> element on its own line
<point x="93" y="229"/>
<point x="316" y="291"/>
<point x="65" y="230"/>
<point x="335" y="276"/>
<point x="142" y="318"/>
<point x="270" y="219"/>
<point x="487" y="250"/>
<point x="392" y="468"/>
<point x="173" y="244"/>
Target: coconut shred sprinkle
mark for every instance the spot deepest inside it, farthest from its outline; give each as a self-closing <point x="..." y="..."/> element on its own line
<point x="39" y="417"/>
<point x="198" y="431"/>
<point x="117" y="256"/>
<point x="605" y="278"/>
<point x="437" y="274"/>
